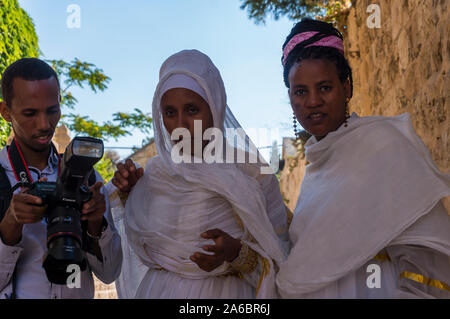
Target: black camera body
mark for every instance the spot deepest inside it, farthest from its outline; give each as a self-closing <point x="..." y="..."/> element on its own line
<point x="45" y="190"/>
<point x="65" y="199"/>
<point x="51" y="193"/>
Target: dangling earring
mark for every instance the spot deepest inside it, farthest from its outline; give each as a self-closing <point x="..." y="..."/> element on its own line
<point x="347" y="113"/>
<point x="297" y="133"/>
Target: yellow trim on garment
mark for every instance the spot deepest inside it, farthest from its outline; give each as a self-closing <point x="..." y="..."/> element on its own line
<point x="289" y="216"/>
<point x="382" y="257"/>
<point x="265" y="266"/>
<point x="265" y="269"/>
<point x="424" y="280"/>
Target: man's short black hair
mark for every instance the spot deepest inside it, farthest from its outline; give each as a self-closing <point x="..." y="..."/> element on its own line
<point x="29" y="69"/>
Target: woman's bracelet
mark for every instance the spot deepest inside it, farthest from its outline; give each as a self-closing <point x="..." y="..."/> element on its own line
<point x="246" y="261"/>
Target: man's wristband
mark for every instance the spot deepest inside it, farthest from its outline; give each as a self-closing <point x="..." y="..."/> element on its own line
<point x="104" y="226"/>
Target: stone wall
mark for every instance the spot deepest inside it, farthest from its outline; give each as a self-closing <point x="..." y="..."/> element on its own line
<point x="142" y="155"/>
<point x="403" y="66"/>
<point x="104" y="291"/>
<point x="292" y="174"/>
<point x="61" y="138"/>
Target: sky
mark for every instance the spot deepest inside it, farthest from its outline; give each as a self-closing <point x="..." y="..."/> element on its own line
<point x="129" y="40"/>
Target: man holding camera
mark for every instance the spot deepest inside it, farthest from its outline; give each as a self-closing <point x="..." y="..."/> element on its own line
<point x="31" y="102"/>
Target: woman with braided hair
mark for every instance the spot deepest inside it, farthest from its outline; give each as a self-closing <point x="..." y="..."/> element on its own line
<point x="369" y="221"/>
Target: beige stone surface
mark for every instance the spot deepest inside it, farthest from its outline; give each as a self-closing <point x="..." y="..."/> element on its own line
<point x="61" y="138"/>
<point x="291" y="177"/>
<point x="103" y="291"/>
<point x="403" y="66"/>
<point x="142" y="155"/>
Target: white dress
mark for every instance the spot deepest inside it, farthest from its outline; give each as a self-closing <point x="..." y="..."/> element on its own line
<point x="169" y="233"/>
<point x="211" y="211"/>
<point x="405" y="271"/>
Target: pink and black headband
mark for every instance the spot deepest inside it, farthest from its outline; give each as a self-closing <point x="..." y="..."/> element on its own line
<point x="331" y="41"/>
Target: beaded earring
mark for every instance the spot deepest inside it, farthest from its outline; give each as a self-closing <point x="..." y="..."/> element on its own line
<point x="296" y="132"/>
<point x="347" y="113"/>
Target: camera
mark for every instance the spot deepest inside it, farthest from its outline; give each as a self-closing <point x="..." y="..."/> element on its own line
<point x="65" y="199"/>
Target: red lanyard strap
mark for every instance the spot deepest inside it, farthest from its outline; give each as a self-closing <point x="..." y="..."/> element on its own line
<point x="18" y="164"/>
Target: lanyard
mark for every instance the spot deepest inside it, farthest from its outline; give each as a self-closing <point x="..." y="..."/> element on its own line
<point x="19" y="165"/>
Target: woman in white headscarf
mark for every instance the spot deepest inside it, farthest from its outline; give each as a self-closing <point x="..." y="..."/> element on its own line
<point x="204" y="230"/>
<point x="369" y="220"/>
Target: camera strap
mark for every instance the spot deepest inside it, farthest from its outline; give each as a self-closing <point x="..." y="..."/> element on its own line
<point x="5" y="195"/>
<point x="23" y="176"/>
<point x="19" y="165"/>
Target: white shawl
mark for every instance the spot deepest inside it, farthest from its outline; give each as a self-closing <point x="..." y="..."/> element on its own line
<point x="365" y="184"/>
<point x="172" y="204"/>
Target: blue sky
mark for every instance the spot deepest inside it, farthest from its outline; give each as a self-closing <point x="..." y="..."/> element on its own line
<point x="129" y="40"/>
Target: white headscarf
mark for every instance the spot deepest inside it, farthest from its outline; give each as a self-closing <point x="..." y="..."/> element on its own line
<point x="182" y="81"/>
<point x="365" y="187"/>
<point x="167" y="186"/>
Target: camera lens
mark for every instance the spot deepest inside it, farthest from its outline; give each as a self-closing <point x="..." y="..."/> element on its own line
<point x="62" y="252"/>
<point x="64" y="244"/>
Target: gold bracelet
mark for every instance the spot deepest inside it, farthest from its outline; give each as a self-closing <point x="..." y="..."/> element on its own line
<point x="246" y="261"/>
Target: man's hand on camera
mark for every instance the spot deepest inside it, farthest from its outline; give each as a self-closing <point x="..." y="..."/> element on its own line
<point x="126" y="176"/>
<point x="23" y="209"/>
<point x="94" y="209"/>
<point x="26" y="209"/>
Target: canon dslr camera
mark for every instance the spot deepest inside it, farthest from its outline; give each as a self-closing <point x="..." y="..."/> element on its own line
<point x="65" y="199"/>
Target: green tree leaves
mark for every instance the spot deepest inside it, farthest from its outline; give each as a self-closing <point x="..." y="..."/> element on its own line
<point x="105" y="168"/>
<point x="81" y="74"/>
<point x="78" y="73"/>
<point x="292" y="9"/>
<point x="5" y="130"/>
<point x="18" y="39"/>
<point x="124" y="122"/>
<point x="258" y="10"/>
<point x="138" y="119"/>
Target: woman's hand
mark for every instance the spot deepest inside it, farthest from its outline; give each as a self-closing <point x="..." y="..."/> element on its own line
<point x="226" y="248"/>
<point x="126" y="176"/>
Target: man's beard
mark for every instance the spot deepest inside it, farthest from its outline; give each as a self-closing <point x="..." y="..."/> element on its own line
<point x="36" y="148"/>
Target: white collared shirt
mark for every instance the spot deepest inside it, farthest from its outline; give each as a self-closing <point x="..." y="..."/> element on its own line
<point x="28" y="254"/>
